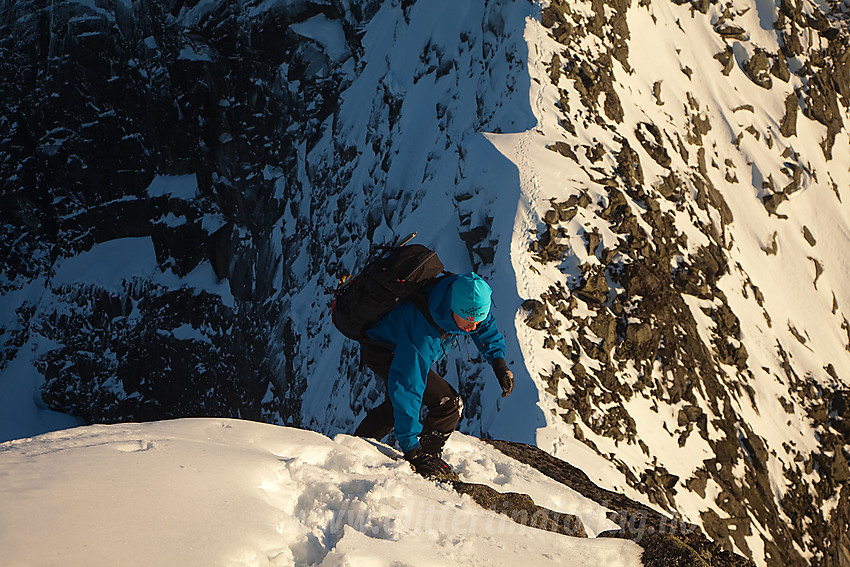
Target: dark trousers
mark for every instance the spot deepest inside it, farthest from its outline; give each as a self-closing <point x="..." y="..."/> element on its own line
<point x="442" y="400"/>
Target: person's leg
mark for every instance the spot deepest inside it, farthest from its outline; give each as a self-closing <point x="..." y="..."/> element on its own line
<point x="444" y="411"/>
<point x="442" y="400"/>
<point x="379" y="420"/>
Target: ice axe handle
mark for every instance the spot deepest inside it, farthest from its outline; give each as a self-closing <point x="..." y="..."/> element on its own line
<point x="407" y="239"/>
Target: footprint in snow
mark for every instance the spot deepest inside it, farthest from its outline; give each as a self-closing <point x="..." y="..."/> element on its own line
<point x="136" y="446"/>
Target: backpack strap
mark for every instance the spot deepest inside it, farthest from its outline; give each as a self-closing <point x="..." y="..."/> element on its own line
<point x="420" y="300"/>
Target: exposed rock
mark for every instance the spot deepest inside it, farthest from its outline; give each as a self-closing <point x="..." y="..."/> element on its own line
<point x="727" y="60"/>
<point x="779" y="69"/>
<point x="699" y="125"/>
<point x="551" y="217"/>
<point x="272" y="109"/>
<point x="666" y="540"/>
<point x="730" y="31"/>
<point x="521" y="509"/>
<point x="822" y="105"/>
<point x="640" y="336"/>
<point x="670" y="187"/>
<point x="547" y="248"/>
<point x="628" y="165"/>
<point x="807" y="234"/>
<point x="555" y="69"/>
<point x="653" y="265"/>
<point x="594" y="287"/>
<point x="481" y="250"/>
<point x="772" y="201"/>
<point x="536" y="314"/>
<point x="689" y="414"/>
<point x="788" y="127"/>
<point x="668" y="550"/>
<point x="757" y="68"/>
<point x="650" y="138"/>
<point x="565" y="150"/>
<point x="594" y="153"/>
<point x="99" y="121"/>
<point x="556" y="14"/>
<point x="656" y="92"/>
<point x="701" y="5"/>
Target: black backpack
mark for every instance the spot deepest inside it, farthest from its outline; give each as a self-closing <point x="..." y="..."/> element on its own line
<point x="396" y="275"/>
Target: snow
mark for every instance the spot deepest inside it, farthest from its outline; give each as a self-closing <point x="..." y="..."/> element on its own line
<point x="210" y="492"/>
<point x="664" y="40"/>
<point x="109" y="264"/>
<point x="188" y="333"/>
<point x="115" y="266"/>
<point x="190" y="53"/>
<point x="326" y="32"/>
<point x="22" y="413"/>
<point x="177" y="186"/>
<point x="116" y="263"/>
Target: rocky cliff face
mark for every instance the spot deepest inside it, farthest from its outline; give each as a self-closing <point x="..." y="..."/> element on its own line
<point x="181" y="182"/>
<point x="677" y="316"/>
<point x="104" y="104"/>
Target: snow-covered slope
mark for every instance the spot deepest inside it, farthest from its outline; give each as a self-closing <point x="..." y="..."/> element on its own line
<point x="684" y="323"/>
<point x="656" y="191"/>
<point x="212" y="492"/>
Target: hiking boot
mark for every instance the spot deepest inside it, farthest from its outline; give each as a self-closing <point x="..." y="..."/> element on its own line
<point x="432" y="442"/>
<point x="430" y="466"/>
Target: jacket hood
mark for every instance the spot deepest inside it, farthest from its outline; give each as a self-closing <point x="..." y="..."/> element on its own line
<point x="440" y="305"/>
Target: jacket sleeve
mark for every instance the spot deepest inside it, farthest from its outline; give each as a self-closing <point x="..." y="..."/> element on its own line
<point x="406" y="386"/>
<point x="489" y="340"/>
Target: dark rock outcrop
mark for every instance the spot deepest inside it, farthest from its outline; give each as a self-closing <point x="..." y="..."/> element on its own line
<point x="666" y="541"/>
<point x="104" y="98"/>
<point x="521" y="509"/>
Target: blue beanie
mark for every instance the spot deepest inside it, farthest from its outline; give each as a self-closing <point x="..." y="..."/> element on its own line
<point x="471" y="297"/>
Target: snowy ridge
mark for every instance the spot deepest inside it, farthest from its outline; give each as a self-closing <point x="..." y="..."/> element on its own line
<point x="225" y="492"/>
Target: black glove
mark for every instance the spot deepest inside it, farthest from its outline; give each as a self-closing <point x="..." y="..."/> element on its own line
<point x="505" y="376"/>
<point x="430" y="466"/>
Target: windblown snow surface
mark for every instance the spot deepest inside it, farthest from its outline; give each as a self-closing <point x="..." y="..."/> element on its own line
<point x="446" y="123"/>
<point x="213" y="492"/>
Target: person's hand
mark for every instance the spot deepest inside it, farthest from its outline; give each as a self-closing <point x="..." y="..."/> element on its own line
<point x="505" y="376"/>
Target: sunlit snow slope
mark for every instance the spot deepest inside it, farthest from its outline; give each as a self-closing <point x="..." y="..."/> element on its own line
<point x="682" y="236"/>
<point x="211" y="492"/>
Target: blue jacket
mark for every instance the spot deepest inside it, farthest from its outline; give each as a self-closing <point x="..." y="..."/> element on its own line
<point x="417" y="346"/>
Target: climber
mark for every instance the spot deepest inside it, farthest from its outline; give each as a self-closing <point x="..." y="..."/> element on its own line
<point x="405" y="346"/>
